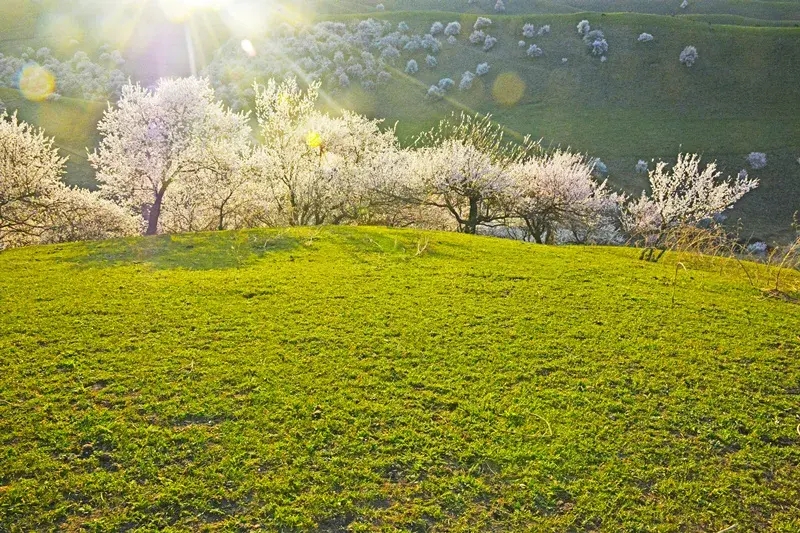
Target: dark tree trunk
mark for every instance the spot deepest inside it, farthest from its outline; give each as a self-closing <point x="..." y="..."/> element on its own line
<point x="155" y="213"/>
<point x="471" y="225"/>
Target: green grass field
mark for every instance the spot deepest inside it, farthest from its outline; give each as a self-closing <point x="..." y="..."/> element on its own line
<point x="740" y="97"/>
<point x="364" y="379"/>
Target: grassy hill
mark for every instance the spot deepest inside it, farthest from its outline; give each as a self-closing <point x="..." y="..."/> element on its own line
<point x="641" y="104"/>
<point x="387" y="380"/>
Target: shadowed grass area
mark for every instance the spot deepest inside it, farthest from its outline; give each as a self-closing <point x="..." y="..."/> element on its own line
<point x="392" y="380"/>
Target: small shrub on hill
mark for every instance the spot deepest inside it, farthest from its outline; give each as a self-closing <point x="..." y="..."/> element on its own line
<point x="757" y="160"/>
<point x="689" y="56"/>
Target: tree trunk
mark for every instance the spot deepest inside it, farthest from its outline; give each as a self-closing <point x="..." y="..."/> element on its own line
<point x="155" y="213"/>
<point x="471" y="224"/>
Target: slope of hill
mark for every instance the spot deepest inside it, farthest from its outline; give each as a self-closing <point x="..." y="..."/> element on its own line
<point x="641" y="104"/>
<point x="387" y="380"/>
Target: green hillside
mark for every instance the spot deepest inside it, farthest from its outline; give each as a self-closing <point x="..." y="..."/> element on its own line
<point x="363" y="379"/>
<point x="740" y="97"/>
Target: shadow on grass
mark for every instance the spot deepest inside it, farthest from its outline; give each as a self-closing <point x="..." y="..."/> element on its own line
<point x="190" y="251"/>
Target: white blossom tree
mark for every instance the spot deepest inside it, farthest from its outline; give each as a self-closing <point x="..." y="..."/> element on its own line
<point x="557" y="193"/>
<point x="35" y="205"/>
<point x="316" y="168"/>
<point x="152" y="139"/>
<point x="464" y="162"/>
<point x="681" y="196"/>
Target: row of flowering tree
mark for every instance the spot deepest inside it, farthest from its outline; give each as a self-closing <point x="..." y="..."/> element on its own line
<point x="174" y="159"/>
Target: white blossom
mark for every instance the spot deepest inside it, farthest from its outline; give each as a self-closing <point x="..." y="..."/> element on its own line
<point x="689" y="56"/>
<point x="757" y="160"/>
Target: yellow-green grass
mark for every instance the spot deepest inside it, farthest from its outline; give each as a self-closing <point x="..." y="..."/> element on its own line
<point x="366" y="379"/>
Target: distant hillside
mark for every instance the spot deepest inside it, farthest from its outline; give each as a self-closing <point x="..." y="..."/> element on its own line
<point x="641" y="104"/>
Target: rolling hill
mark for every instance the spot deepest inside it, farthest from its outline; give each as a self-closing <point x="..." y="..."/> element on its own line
<point x="365" y="379"/>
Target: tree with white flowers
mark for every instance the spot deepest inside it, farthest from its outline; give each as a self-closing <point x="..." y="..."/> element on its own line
<point x="316" y="168"/>
<point x="557" y="193"/>
<point x="465" y="163"/>
<point x="35" y="205"/>
<point x="151" y="139"/>
<point x="683" y="195"/>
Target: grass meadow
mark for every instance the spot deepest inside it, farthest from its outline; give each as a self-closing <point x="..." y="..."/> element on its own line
<point x="366" y="379"/>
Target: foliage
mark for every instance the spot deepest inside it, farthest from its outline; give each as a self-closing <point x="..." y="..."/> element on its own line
<point x="316" y="168"/>
<point x="412" y="67"/>
<point x="446" y="84"/>
<point x="481" y="23"/>
<point x="528" y="31"/>
<point x="35" y="205"/>
<point x="683" y="195"/>
<point x="489" y="43"/>
<point x="78" y="77"/>
<point x="757" y="160"/>
<point x="689" y="56"/>
<point x="466" y="82"/>
<point x="477" y="37"/>
<point x="557" y="193"/>
<point x="452" y="29"/>
<point x="583" y="28"/>
<point x="534" y="51"/>
<point x="464" y="164"/>
<point x="482" y="69"/>
<point x="644" y="38"/>
<point x="154" y="139"/>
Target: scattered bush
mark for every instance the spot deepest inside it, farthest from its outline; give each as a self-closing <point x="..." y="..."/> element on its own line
<point x="489" y="43"/>
<point x="645" y="38"/>
<point x="402" y="27"/>
<point x="380" y="7"/>
<point x="452" y="39"/>
<point x="522" y="44"/>
<point x="534" y="51"/>
<point x="598" y="167"/>
<point x="583" y="28"/>
<point x="544" y="30"/>
<point x="641" y="167"/>
<point x="528" y="31"/>
<point x="435" y="92"/>
<point x="482" y="69"/>
<point x="500" y="6"/>
<point x="446" y="84"/>
<point x="467" y="80"/>
<point x="453" y="29"/>
<point x="437" y="28"/>
<point x="758" y="248"/>
<point x="412" y="67"/>
<point x="757" y="160"/>
<point x="481" y="23"/>
<point x="689" y="56"/>
<point x="684" y="4"/>
<point x="78" y="77"/>
<point x="477" y="37"/>
<point x="431" y="61"/>
<point x="599" y="48"/>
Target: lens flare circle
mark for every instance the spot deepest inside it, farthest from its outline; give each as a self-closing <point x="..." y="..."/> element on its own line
<point x="508" y="89"/>
<point x="36" y="83"/>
